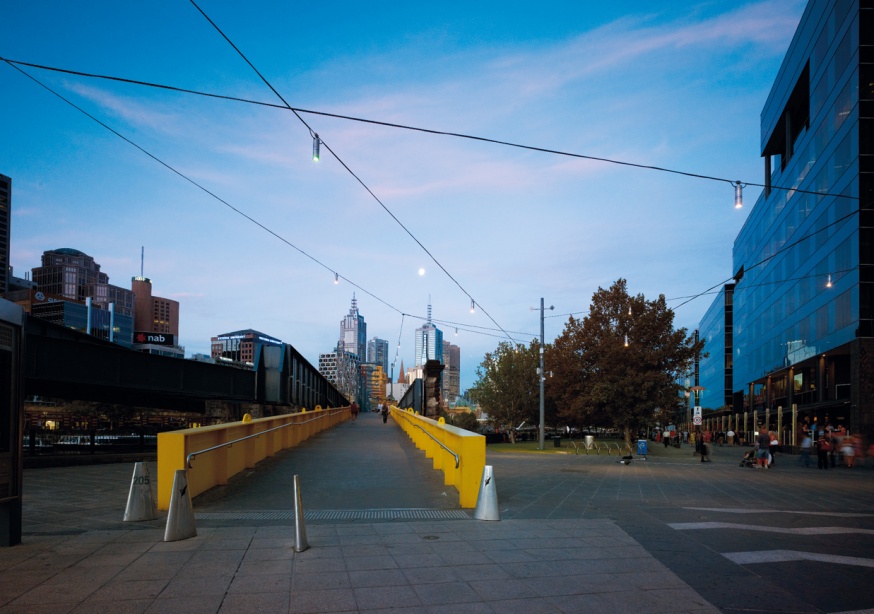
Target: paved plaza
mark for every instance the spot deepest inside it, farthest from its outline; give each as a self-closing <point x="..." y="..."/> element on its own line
<point x="577" y="533"/>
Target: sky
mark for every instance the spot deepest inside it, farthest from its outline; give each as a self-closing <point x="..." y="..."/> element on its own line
<point x="245" y="230"/>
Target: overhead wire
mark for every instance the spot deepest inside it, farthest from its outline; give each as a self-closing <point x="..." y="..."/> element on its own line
<point x="299" y="110"/>
<point x="237" y="210"/>
<point x="346" y="166"/>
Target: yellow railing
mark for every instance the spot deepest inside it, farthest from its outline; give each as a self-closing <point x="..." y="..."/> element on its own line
<point x="459" y="454"/>
<point x="215" y="453"/>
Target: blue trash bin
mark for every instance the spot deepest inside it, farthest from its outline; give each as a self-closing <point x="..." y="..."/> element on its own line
<point x="641" y="447"/>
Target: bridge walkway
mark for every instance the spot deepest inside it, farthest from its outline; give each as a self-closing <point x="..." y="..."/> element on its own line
<point x="359" y="469"/>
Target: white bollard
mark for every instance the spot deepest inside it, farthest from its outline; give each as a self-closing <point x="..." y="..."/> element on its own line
<point x="487" y="501"/>
<point x="180" y="517"/>
<point x="140" y="502"/>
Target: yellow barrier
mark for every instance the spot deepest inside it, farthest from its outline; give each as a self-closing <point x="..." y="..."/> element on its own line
<point x="461" y="457"/>
<point x="214" y="467"/>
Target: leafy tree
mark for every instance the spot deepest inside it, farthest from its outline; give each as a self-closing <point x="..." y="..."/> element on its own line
<point x="507" y="386"/>
<point x="620" y="366"/>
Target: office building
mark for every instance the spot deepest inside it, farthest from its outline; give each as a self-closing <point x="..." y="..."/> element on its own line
<point x="5" y="231"/>
<point x="353" y="333"/>
<point x="342" y="369"/>
<point x="240" y="347"/>
<point x="452" y="373"/>
<point x="156" y="321"/>
<point x="377" y="352"/>
<point x="803" y="299"/>
<point x="75" y="276"/>
<point x="429" y="342"/>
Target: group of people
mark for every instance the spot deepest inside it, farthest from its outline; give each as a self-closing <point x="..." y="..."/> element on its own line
<point x="767" y="445"/>
<point x="834" y="446"/>
<point x="381" y="408"/>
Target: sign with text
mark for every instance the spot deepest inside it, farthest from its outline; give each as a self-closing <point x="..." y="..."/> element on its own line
<point x="154" y="338"/>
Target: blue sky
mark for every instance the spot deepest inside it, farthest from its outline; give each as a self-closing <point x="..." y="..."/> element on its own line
<point x="675" y="85"/>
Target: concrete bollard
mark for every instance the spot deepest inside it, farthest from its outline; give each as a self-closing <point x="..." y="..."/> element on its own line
<point x="180" y="517"/>
<point x="140" y="502"/>
<point x="300" y="531"/>
<point x="487" y="501"/>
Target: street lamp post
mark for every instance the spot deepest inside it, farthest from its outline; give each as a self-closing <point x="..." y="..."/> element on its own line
<point x="542" y="377"/>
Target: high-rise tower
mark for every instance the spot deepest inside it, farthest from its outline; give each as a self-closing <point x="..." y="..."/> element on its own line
<point x="5" y="230"/>
<point x="429" y="342"/>
<point x="353" y="333"/>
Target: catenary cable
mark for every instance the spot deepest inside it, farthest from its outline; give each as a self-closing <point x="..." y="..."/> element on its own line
<point x="348" y="169"/>
<point x="298" y="110"/>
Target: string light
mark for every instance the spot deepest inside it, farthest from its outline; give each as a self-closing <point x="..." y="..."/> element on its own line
<point x="738" y="195"/>
<point x="472" y="306"/>
<point x="626" y="340"/>
<point x="316" y="144"/>
<point x="336" y="278"/>
<point x="828" y="284"/>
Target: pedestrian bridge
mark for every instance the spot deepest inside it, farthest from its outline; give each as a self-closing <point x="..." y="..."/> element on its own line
<point x="361" y="468"/>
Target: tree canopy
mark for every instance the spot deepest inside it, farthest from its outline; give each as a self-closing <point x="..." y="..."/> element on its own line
<point x="620" y="366"/>
<point x="507" y="386"/>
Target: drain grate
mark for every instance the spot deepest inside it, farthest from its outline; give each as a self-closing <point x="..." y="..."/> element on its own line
<point x="390" y="514"/>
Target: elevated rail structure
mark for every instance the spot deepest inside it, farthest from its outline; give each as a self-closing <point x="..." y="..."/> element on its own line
<point x="39" y="358"/>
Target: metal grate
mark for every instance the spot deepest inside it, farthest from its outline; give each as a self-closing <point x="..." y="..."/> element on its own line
<point x="401" y="514"/>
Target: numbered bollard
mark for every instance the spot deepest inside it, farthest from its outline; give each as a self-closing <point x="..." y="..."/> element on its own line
<point x="140" y="502"/>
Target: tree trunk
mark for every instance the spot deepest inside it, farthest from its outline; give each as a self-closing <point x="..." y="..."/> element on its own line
<point x="628" y="436"/>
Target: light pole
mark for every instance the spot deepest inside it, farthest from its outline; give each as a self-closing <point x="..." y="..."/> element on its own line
<point x="542" y="376"/>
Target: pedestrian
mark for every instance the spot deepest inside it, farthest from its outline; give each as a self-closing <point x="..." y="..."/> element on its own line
<point x="705" y="457"/>
<point x="823" y="447"/>
<point x="849" y="451"/>
<point x="355" y="410"/>
<point x="385" y="413"/>
<point x="762" y="444"/>
<point x="379" y="408"/>
<point x="730" y="435"/>
<point x="773" y="446"/>
<point x="806" y="444"/>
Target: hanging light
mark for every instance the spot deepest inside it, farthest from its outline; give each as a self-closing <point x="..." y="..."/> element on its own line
<point x="629" y="310"/>
<point x="828" y="284"/>
<point x="626" y="340"/>
<point x="336" y="278"/>
<point x="738" y="195"/>
<point x="316" y="143"/>
<point x="472" y="306"/>
<point x="456" y="332"/>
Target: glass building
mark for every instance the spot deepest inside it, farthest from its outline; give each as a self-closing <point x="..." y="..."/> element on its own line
<point x="715" y="371"/>
<point x="803" y="301"/>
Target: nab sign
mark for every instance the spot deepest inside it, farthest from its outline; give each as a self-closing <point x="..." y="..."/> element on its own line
<point x="154" y="338"/>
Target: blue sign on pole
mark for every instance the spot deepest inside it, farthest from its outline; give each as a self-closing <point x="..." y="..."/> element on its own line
<point x="641" y="447"/>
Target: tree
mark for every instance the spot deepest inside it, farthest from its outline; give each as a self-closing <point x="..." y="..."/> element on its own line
<point x="621" y="365"/>
<point x="507" y="386"/>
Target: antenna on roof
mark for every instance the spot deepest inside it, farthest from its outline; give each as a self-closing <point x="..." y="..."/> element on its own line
<point x="142" y="258"/>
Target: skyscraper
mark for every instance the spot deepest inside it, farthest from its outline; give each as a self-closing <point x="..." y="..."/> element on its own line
<point x="5" y="230"/>
<point x="377" y="352"/>
<point x="429" y="342"/>
<point x="353" y="333"/>
<point x="451" y="375"/>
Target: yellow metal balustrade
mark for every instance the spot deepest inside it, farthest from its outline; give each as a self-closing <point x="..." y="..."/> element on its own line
<point x="459" y="454"/>
<point x="211" y="459"/>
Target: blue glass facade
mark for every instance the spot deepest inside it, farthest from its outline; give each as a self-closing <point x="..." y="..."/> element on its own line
<point x="715" y="371"/>
<point x="803" y="305"/>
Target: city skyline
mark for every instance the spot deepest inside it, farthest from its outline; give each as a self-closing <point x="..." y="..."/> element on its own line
<point x="627" y="82"/>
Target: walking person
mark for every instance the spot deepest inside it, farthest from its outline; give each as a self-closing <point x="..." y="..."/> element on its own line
<point x="823" y="447"/>
<point x="385" y="413"/>
<point x="806" y="444"/>
<point x="354" y="408"/>
<point x="773" y="446"/>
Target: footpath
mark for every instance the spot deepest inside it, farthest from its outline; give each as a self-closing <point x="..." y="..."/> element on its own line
<point x="576" y="534"/>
